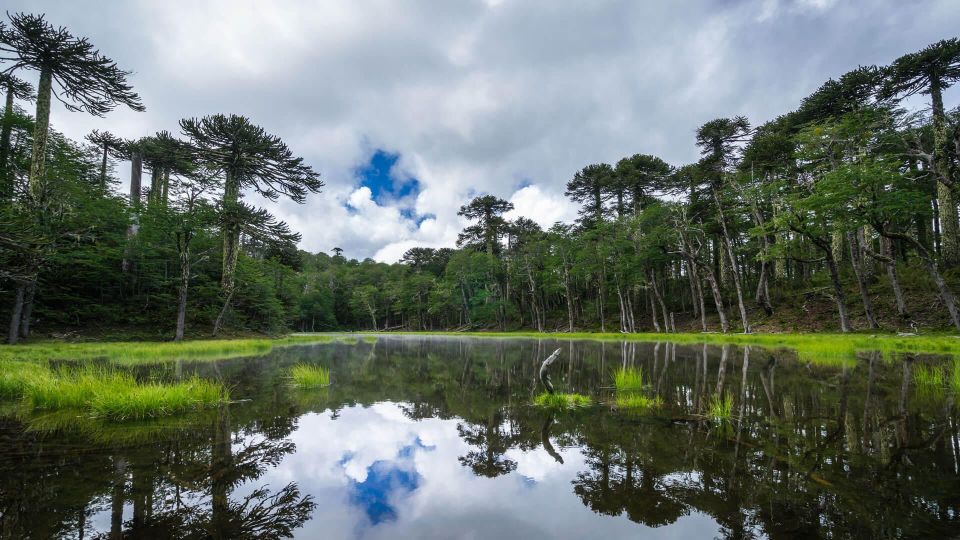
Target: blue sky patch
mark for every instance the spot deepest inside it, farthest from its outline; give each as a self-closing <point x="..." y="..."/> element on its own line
<point x="376" y="175"/>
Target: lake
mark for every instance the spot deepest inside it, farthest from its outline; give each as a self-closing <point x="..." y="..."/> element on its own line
<point x="437" y="437"/>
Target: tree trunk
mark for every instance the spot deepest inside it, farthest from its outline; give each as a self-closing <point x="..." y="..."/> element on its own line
<point x="857" y="263"/>
<point x="184" y="288"/>
<point x="718" y="300"/>
<point x="653" y="313"/>
<point x="13" y="335"/>
<point x="136" y="175"/>
<point x="40" y="135"/>
<point x="949" y="224"/>
<point x="231" y="246"/>
<point x="27" y="310"/>
<point x="659" y="297"/>
<point x="103" y="168"/>
<point x="6" y="175"/>
<point x="894" y="279"/>
<point x="734" y="271"/>
<point x="838" y="291"/>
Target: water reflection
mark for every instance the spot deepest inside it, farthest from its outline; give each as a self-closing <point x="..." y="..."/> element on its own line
<point x="436" y="438"/>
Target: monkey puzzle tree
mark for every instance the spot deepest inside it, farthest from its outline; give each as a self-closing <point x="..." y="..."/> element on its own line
<point x="107" y="143"/>
<point x="640" y="175"/>
<point x="589" y="187"/>
<point x="488" y="210"/>
<point x="717" y="140"/>
<point x="85" y="79"/>
<point x="164" y="154"/>
<point x="13" y="88"/>
<point x="931" y="71"/>
<point x="247" y="157"/>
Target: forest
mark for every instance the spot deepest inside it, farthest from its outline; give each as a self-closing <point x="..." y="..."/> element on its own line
<point x="840" y="216"/>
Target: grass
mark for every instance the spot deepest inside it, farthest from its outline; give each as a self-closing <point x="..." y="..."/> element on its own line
<point x="310" y="376"/>
<point x="628" y="379"/>
<point x="721" y="408"/>
<point x="826" y="347"/>
<point x="155" y="399"/>
<point x="562" y="401"/>
<point x="105" y="392"/>
<point x="954" y="378"/>
<point x="135" y="353"/>
<point x="929" y="379"/>
<point x="637" y="402"/>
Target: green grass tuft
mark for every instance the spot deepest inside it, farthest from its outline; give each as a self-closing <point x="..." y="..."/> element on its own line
<point x="638" y="402"/>
<point x="310" y="376"/>
<point x="628" y="379"/>
<point x="930" y="380"/>
<point x="562" y="401"/>
<point x="721" y="408"/>
<point x="155" y="399"/>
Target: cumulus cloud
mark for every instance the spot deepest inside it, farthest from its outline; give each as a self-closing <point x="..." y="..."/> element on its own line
<point x="501" y="97"/>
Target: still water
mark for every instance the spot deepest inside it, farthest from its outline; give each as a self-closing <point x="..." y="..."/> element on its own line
<point x="423" y="437"/>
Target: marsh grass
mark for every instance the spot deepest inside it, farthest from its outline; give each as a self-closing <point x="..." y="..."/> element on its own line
<point x="813" y="347"/>
<point x="628" y="379"/>
<point x="638" y="402"/>
<point x="104" y="391"/>
<point x="930" y="380"/>
<point x="138" y="353"/>
<point x="151" y="400"/>
<point x="721" y="408"/>
<point x="562" y="401"/>
<point x="309" y="376"/>
<point x="110" y="433"/>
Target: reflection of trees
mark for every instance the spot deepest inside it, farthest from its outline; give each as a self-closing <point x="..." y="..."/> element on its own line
<point x="493" y="440"/>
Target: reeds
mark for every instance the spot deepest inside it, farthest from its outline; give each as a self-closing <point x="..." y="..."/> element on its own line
<point x="309" y="376"/>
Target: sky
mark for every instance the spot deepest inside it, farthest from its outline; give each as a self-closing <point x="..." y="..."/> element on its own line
<point x="408" y="109"/>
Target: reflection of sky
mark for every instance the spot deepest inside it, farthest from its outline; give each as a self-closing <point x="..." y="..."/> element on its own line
<point x="374" y="473"/>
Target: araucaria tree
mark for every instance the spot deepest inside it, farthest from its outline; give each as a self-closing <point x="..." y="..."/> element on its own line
<point x="13" y="88"/>
<point x="246" y="157"/>
<point x="488" y="211"/>
<point x="931" y="71"/>
<point x="70" y="69"/>
<point x="107" y="144"/>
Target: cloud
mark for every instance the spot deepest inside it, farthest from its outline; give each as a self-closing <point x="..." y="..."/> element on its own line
<point x="501" y="97"/>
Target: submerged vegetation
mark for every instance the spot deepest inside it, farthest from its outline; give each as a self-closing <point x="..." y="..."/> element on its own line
<point x="310" y="376"/>
<point x="562" y="401"/>
<point x="637" y="402"/>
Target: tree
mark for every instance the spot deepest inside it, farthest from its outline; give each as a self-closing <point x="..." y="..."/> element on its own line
<point x="107" y="143"/>
<point x="488" y="210"/>
<point x="717" y="140"/>
<point x="85" y="79"/>
<point x="589" y="187"/>
<point x="640" y="175"/>
<point x="247" y="157"/>
<point x="13" y="88"/>
<point x="931" y="71"/>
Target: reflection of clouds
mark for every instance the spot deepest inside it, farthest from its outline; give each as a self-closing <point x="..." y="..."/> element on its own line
<point x="412" y="469"/>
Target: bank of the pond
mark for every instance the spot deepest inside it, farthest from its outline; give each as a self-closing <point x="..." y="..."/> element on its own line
<point x="135" y="352"/>
<point x="818" y="345"/>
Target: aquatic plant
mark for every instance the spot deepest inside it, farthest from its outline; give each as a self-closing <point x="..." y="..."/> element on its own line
<point x="637" y="402"/>
<point x="721" y="408"/>
<point x="74" y="390"/>
<point x="155" y="399"/>
<point x="15" y="377"/>
<point x="930" y="380"/>
<point x="562" y="401"/>
<point x="310" y="376"/>
<point x="628" y="379"/>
